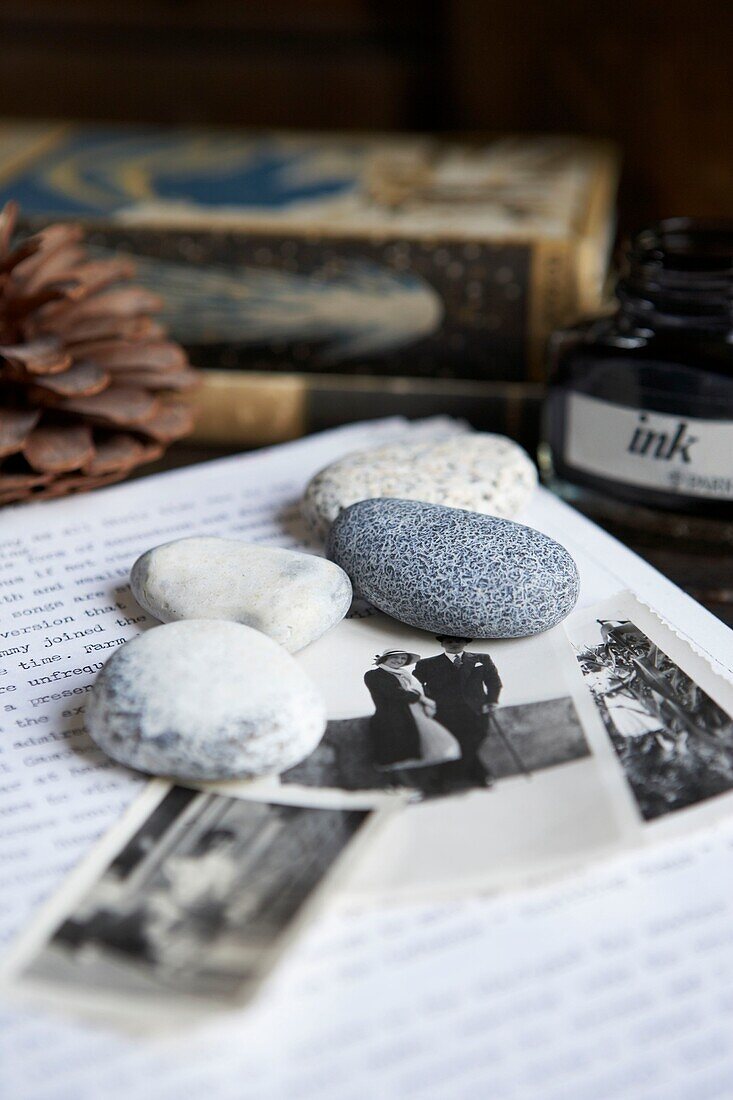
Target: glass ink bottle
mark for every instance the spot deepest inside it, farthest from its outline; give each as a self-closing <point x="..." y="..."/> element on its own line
<point x="638" y="422"/>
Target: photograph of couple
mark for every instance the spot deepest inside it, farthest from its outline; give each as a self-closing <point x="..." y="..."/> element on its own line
<point x="439" y="724"/>
<point x="433" y="712"/>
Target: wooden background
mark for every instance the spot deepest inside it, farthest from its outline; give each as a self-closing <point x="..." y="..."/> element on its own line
<point x="653" y="74"/>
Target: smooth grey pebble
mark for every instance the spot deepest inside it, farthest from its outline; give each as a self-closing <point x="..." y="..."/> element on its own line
<point x="454" y="572"/>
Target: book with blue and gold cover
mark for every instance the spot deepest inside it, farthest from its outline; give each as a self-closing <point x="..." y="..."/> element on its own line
<point x="338" y="255"/>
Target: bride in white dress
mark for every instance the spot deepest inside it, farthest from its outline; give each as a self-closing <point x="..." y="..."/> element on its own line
<point x="403" y="710"/>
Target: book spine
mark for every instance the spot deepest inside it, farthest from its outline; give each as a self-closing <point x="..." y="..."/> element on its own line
<point x="259" y="408"/>
<point x="552" y="299"/>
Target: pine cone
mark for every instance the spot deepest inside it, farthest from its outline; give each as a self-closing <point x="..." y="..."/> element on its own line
<point x="86" y="375"/>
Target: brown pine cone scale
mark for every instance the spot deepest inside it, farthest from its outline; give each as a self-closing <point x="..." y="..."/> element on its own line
<point x="88" y="380"/>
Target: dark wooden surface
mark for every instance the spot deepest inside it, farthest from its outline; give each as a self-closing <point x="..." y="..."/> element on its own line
<point x="656" y="77"/>
<point x="705" y="572"/>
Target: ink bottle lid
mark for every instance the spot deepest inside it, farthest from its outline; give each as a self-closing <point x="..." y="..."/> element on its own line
<point x="638" y="422"/>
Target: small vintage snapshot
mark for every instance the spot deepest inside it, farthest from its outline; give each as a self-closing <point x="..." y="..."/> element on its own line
<point x="195" y="899"/>
<point x="455" y="716"/>
<point x="674" y="742"/>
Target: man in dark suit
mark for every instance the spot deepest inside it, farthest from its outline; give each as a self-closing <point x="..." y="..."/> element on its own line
<point x="465" y="687"/>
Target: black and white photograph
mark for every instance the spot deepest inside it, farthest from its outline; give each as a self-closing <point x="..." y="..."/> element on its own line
<point x="674" y="742"/>
<point x="196" y="900"/>
<point x="443" y="721"/>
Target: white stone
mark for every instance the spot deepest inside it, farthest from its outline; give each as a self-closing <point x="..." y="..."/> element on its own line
<point x="477" y="471"/>
<point x="205" y="700"/>
<point x="294" y="598"/>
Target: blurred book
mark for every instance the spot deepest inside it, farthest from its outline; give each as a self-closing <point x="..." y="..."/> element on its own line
<point x="394" y="255"/>
<point x="319" y="279"/>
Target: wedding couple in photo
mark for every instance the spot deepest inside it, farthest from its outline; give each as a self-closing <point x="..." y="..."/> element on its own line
<point x="432" y="715"/>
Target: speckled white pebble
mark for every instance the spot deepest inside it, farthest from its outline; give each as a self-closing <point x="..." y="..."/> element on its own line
<point x="294" y="598"/>
<point x="478" y="471"/>
<point x="205" y="700"/>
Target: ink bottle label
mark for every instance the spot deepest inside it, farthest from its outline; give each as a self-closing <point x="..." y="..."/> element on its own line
<point x="681" y="455"/>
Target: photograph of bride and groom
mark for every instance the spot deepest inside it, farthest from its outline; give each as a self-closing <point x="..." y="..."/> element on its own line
<point x="438" y="727"/>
